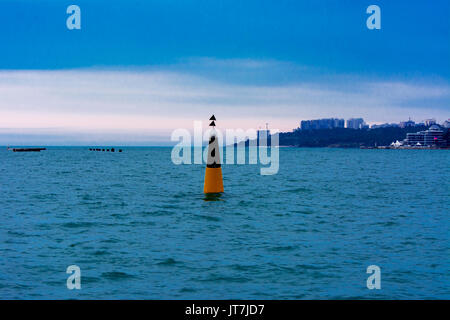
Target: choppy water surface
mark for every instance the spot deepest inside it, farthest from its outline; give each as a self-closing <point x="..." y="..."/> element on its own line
<point x="138" y="226"/>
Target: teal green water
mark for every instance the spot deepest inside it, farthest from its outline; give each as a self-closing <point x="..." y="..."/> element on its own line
<point x="139" y="227"/>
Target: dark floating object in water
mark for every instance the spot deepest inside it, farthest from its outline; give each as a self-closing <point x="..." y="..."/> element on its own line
<point x="28" y="149"/>
<point x="107" y="150"/>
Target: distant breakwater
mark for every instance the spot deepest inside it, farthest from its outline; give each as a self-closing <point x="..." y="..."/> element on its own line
<point x="105" y="149"/>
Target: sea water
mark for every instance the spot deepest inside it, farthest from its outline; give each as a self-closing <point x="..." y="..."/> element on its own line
<point x="139" y="227"/>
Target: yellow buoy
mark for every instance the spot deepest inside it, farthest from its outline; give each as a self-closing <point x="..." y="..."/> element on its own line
<point x="213" y="173"/>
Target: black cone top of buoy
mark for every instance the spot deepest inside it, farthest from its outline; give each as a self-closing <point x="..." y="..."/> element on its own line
<point x="212" y="118"/>
<point x="212" y="124"/>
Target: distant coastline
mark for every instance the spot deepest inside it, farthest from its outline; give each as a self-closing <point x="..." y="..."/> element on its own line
<point x="381" y="138"/>
<point x="348" y="138"/>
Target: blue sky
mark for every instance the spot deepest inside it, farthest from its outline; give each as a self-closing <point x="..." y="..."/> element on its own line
<point x="258" y="61"/>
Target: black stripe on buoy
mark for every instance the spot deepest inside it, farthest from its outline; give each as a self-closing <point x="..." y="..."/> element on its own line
<point x="213" y="153"/>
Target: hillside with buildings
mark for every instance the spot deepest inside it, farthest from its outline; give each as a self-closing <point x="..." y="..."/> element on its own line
<point x="355" y="133"/>
<point x="345" y="137"/>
